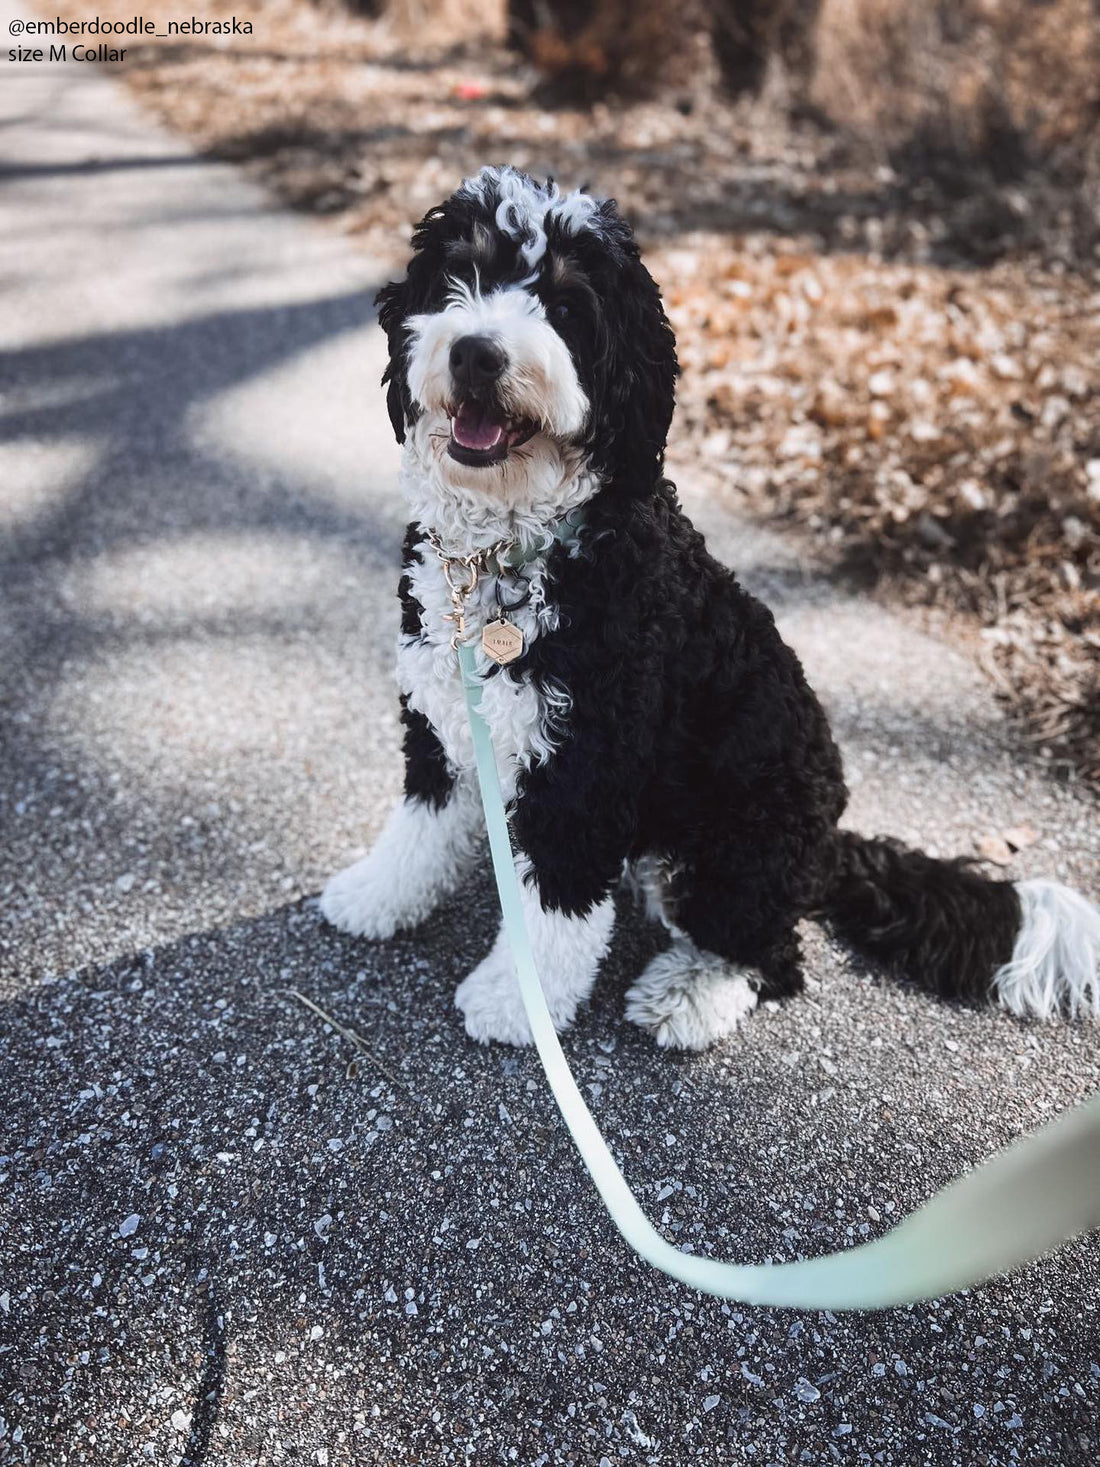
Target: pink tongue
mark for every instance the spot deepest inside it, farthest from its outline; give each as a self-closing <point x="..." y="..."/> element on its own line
<point x="474" y="428"/>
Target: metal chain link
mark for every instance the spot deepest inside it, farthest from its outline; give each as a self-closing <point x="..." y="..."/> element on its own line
<point x="474" y="564"/>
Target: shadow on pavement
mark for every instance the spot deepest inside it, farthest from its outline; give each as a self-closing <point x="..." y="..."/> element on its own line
<point x="98" y="165"/>
<point x="207" y="1212"/>
<point x="147" y="482"/>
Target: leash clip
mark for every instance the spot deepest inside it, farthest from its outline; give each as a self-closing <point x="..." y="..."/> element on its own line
<point x="462" y="587"/>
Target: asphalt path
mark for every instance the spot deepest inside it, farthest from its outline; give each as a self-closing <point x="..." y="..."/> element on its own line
<point x="230" y="1234"/>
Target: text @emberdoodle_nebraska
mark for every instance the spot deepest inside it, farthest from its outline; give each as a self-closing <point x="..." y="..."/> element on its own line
<point x="135" y="28"/>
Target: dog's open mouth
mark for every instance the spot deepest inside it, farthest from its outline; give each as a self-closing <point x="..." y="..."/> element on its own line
<point x="481" y="434"/>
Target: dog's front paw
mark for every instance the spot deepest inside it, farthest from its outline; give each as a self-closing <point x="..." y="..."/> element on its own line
<point x="493" y="1008"/>
<point x="491" y="1004"/>
<point x="363" y="900"/>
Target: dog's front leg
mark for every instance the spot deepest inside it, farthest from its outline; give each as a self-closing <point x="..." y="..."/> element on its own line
<point x="424" y="850"/>
<point x="421" y="856"/>
<point x="572" y="823"/>
<point x="567" y="951"/>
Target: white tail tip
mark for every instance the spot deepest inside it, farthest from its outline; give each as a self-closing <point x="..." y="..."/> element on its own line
<point x="1055" y="965"/>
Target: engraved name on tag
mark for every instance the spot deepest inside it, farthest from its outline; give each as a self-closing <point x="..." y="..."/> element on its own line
<point x="502" y="641"/>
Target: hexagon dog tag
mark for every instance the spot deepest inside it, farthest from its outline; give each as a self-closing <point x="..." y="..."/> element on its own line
<point x="501" y="641"/>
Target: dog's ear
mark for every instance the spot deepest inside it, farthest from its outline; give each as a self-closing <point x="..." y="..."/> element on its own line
<point x="401" y="299"/>
<point x="639" y="368"/>
<point x="648" y="380"/>
<point x="391" y="301"/>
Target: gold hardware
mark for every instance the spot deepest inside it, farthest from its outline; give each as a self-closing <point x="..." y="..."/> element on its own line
<point x="463" y="587"/>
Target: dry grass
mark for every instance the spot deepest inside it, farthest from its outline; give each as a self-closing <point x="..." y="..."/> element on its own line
<point x="977" y="76"/>
<point x="443" y="21"/>
<point x="625" y="47"/>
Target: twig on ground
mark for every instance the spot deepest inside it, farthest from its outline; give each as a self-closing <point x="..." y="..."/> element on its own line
<point x="355" y="1040"/>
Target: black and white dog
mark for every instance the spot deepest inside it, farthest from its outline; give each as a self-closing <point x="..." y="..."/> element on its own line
<point x="655" y="724"/>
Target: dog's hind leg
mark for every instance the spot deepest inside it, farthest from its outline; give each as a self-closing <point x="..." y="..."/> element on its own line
<point x="733" y="941"/>
<point x="688" y="998"/>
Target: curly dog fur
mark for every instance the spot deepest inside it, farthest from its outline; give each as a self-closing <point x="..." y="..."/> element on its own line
<point x="656" y="721"/>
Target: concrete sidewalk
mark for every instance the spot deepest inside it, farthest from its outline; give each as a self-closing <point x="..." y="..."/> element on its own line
<point x="225" y="1235"/>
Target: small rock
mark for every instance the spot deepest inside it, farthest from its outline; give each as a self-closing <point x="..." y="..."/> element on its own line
<point x="129" y="1225"/>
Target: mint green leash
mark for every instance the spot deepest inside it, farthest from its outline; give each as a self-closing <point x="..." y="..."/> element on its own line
<point x="1026" y="1200"/>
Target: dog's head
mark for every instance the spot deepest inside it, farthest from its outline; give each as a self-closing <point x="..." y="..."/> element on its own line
<point x="527" y="342"/>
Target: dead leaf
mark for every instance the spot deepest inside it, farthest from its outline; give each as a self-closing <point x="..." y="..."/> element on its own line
<point x="992" y="848"/>
<point x="1020" y="837"/>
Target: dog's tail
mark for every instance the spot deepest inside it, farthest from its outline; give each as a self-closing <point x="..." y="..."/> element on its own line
<point x="1032" y="946"/>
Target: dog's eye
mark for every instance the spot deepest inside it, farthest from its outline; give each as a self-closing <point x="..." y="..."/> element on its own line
<point x="560" y="312"/>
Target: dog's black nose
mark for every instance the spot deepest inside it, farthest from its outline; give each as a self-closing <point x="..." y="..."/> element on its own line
<point x="476" y="362"/>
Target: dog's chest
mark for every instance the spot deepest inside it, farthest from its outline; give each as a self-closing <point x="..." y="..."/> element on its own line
<point x="523" y="720"/>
